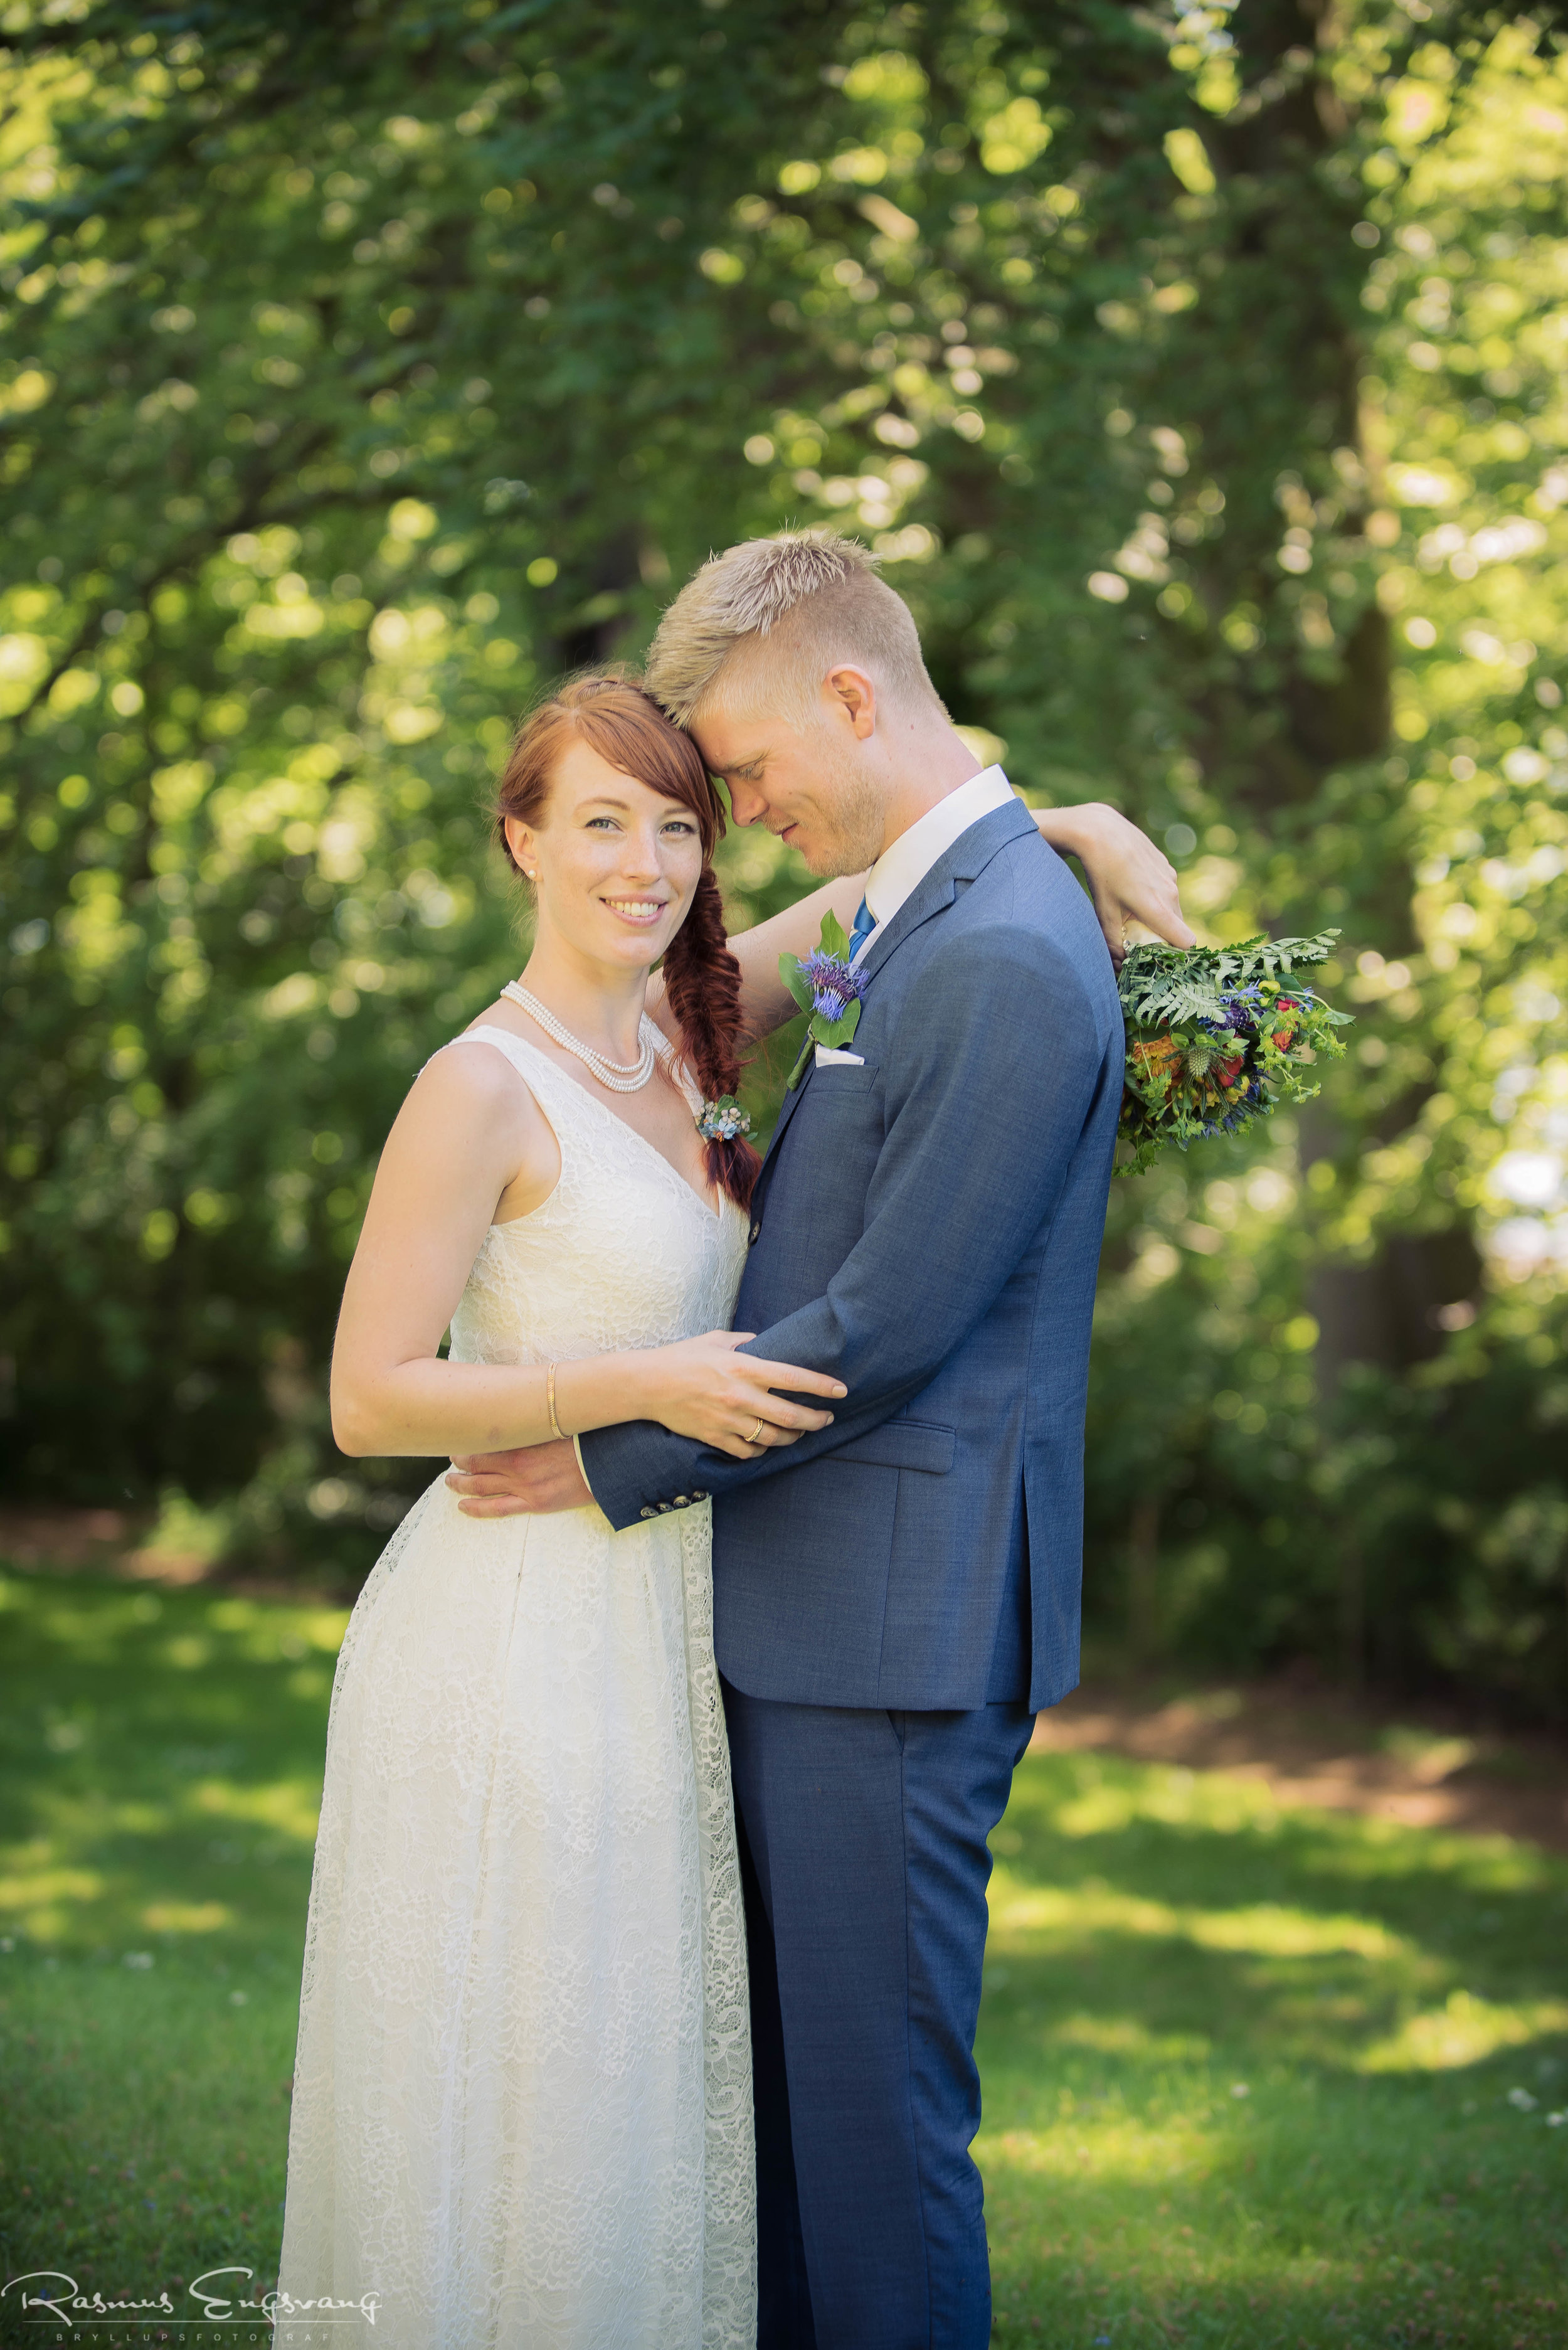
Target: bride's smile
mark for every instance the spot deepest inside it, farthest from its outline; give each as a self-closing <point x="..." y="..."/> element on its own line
<point x="644" y="911"/>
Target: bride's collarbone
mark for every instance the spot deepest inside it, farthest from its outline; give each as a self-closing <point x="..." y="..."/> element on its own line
<point x="657" y="1113"/>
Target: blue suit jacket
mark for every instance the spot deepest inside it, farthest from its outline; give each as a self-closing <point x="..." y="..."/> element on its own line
<point x="927" y="1227"/>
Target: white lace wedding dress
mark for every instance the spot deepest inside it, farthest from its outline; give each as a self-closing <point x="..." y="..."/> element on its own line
<point x="522" y="2111"/>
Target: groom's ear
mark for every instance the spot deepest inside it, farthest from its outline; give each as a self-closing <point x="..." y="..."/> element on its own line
<point x="854" y="695"/>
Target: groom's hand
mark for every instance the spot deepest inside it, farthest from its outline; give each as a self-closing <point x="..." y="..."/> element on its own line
<point x="533" y="1481"/>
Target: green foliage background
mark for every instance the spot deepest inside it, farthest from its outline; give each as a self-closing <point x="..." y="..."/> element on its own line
<point x="1200" y="375"/>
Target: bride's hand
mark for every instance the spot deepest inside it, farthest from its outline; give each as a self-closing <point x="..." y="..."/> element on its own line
<point x="703" y="1388"/>
<point x="1132" y="881"/>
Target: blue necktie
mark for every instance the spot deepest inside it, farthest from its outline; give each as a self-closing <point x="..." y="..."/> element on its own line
<point x="865" y="923"/>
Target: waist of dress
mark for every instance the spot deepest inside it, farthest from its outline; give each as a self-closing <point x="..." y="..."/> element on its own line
<point x="535" y="1353"/>
<point x="439" y="1506"/>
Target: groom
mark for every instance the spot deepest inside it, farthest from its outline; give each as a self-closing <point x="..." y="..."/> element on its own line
<point x="896" y="1594"/>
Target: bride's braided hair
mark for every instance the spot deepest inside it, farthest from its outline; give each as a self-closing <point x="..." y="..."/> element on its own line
<point x="620" y="719"/>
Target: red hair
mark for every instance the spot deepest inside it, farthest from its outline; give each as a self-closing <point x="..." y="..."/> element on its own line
<point x="621" y="721"/>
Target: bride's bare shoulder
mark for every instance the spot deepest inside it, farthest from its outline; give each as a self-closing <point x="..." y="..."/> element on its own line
<point x="479" y="1081"/>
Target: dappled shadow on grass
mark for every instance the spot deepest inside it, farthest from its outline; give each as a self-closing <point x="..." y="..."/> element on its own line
<point x="1339" y="1940"/>
<point x="1162" y="1940"/>
<point x="161" y="1758"/>
<point x="1248" y="2072"/>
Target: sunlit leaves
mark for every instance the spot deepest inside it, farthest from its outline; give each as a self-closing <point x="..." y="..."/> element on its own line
<point x="1203" y="397"/>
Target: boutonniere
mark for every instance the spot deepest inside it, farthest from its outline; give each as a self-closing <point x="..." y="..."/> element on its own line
<point x="1218" y="1037"/>
<point x="823" y="983"/>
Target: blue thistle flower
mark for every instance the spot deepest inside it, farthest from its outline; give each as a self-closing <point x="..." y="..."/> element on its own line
<point x="1241" y="1009"/>
<point x="834" y="985"/>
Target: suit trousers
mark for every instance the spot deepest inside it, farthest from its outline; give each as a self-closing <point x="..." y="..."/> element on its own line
<point x="863" y="1853"/>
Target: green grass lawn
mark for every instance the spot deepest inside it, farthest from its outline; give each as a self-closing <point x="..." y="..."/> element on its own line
<point x="1253" y="2076"/>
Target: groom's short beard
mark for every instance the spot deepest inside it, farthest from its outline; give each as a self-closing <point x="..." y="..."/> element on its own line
<point x="851" y="816"/>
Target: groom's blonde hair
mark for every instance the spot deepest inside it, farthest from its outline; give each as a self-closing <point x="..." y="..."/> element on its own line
<point x="759" y="628"/>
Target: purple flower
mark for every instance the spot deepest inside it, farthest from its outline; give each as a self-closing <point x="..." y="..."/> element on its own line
<point x="1244" y="1008"/>
<point x="833" y="986"/>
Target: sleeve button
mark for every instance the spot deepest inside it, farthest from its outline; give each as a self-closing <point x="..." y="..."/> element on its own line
<point x="681" y="1500"/>
<point x="646" y="1512"/>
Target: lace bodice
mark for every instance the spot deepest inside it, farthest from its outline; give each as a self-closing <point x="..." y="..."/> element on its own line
<point x="668" y="1267"/>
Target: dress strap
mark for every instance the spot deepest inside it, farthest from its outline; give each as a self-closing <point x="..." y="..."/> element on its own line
<point x="535" y="1068"/>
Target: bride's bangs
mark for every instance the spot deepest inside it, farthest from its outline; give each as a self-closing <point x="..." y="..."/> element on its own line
<point x="626" y="726"/>
<point x="619" y="718"/>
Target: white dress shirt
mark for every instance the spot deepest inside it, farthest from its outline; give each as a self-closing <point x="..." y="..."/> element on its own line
<point x="904" y="862"/>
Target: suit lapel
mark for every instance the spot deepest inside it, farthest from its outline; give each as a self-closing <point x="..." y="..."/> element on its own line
<point x="787" y="1108"/>
<point x="968" y="857"/>
<point x="964" y="861"/>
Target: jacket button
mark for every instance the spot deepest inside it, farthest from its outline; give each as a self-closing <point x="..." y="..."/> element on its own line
<point x="663" y="1507"/>
<point x="681" y="1500"/>
<point x="648" y="1514"/>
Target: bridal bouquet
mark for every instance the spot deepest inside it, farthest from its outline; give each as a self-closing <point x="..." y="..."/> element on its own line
<point x="1218" y="1037"/>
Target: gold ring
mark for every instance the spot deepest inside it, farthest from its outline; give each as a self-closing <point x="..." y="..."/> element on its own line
<point x="756" y="1435"/>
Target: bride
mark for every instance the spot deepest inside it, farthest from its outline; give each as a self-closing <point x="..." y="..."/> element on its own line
<point x="521" y="2098"/>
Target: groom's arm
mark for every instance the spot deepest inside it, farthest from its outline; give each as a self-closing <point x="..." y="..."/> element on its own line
<point x="994" y="1066"/>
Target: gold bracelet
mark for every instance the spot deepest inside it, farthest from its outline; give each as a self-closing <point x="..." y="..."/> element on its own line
<point x="555" y="1427"/>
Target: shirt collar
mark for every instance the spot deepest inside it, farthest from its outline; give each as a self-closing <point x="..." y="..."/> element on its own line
<point x="904" y="862"/>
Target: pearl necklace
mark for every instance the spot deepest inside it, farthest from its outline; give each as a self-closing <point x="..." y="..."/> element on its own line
<point x="620" y="1076"/>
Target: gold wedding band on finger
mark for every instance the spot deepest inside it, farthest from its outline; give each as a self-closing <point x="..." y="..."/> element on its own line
<point x="756" y="1435"/>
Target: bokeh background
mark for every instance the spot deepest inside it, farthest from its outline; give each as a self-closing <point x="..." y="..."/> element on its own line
<point x="1199" y="376"/>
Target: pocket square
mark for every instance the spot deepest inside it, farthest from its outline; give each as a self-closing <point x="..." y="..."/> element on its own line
<point x="828" y="1056"/>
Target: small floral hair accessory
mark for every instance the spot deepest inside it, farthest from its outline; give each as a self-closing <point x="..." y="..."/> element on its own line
<point x="723" y="1121"/>
<point x="825" y="984"/>
<point x="1216" y="1037"/>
